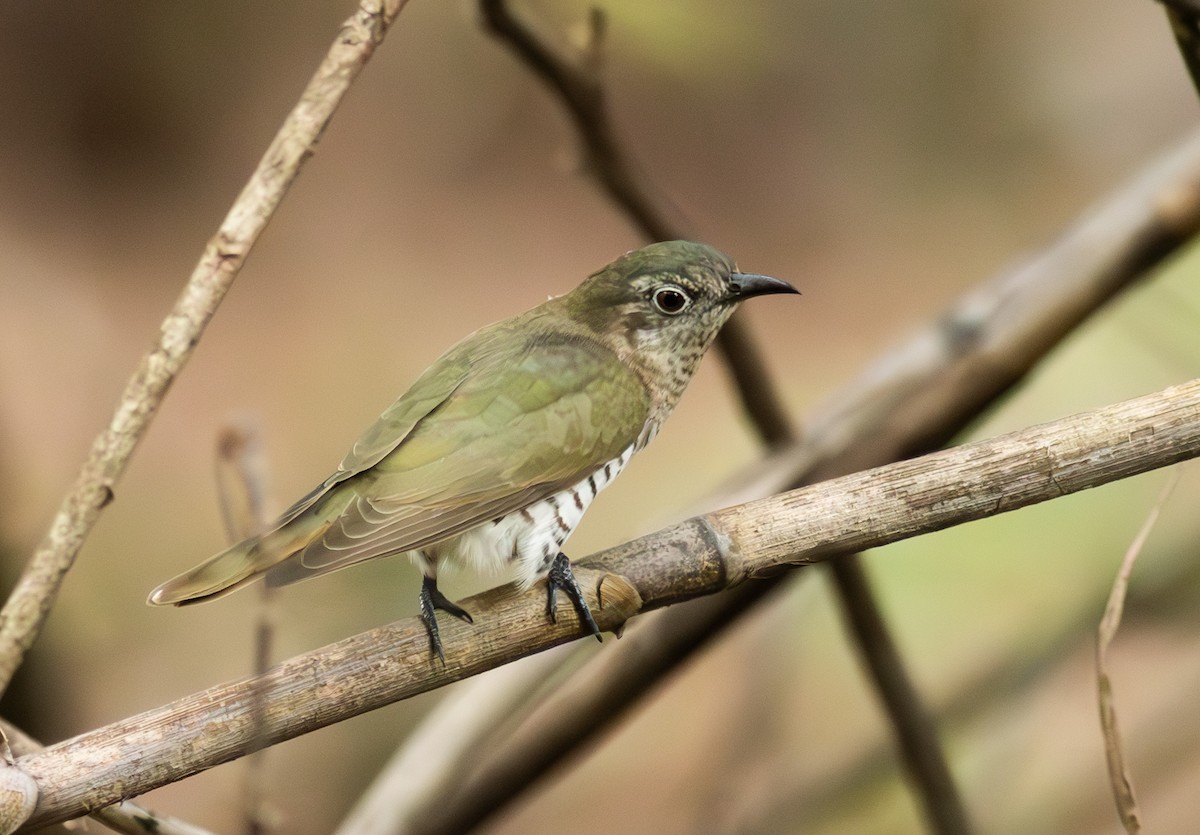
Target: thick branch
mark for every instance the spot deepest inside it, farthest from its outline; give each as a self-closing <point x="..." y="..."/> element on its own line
<point x="30" y="602"/>
<point x="701" y="556"/>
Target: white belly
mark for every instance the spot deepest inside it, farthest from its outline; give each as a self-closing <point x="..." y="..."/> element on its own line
<point x="528" y="538"/>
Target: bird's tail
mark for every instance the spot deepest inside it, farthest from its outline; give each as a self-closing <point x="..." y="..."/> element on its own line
<point x="243" y="563"/>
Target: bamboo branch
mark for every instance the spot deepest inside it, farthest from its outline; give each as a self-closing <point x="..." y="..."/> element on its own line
<point x="241" y="489"/>
<point x="699" y="557"/>
<point x="443" y="748"/>
<point x="26" y="609"/>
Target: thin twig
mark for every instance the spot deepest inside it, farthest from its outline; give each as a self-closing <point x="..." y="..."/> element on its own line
<point x="26" y="609"/>
<point x="914" y="730"/>
<point x="921" y="392"/>
<point x="1118" y="768"/>
<point x="698" y="557"/>
<point x="241" y="488"/>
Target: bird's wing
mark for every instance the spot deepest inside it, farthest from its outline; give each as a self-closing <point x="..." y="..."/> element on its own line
<point x="309" y="518"/>
<point x="515" y="430"/>
<point x="389" y="431"/>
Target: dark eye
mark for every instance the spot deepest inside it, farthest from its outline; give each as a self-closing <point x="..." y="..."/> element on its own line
<point x="670" y="300"/>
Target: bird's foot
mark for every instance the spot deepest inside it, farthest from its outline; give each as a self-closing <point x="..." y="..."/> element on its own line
<point x="561" y="577"/>
<point x="432" y="599"/>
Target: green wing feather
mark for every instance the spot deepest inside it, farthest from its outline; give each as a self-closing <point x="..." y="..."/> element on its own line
<point x="503" y="420"/>
<point x="514" y="432"/>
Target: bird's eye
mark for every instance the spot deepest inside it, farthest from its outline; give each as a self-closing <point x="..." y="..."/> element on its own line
<point x="670" y="300"/>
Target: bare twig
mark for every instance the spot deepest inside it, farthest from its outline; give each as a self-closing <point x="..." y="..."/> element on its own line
<point x="920" y="394"/>
<point x="580" y="88"/>
<point x="698" y="557"/>
<point x="912" y="726"/>
<point x="25" y="611"/>
<point x="1118" y="770"/>
<point x="241" y="480"/>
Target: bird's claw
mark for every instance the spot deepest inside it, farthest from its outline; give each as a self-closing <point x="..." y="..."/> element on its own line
<point x="432" y="599"/>
<point x="561" y="577"/>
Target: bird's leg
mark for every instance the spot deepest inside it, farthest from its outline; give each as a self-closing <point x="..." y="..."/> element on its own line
<point x="561" y="577"/>
<point x="432" y="599"/>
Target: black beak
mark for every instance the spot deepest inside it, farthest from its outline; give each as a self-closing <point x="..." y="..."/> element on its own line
<point x="745" y="285"/>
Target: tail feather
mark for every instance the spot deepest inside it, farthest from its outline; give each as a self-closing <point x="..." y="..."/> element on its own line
<point x="241" y="564"/>
<point x="229" y="570"/>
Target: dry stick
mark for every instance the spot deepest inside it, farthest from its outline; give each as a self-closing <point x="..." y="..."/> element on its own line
<point x="926" y="766"/>
<point x="30" y="602"/>
<point x="701" y="556"/>
<point x="1118" y="770"/>
<point x="579" y="86"/>
<point x="127" y="816"/>
<point x="925" y="390"/>
<point x="241" y="479"/>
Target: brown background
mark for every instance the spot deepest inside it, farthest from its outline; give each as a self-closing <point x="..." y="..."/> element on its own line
<point x="882" y="157"/>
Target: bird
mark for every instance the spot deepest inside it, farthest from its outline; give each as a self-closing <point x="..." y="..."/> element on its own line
<point x="490" y="460"/>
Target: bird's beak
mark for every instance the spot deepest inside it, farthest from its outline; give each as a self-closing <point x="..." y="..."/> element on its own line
<point x="745" y="285"/>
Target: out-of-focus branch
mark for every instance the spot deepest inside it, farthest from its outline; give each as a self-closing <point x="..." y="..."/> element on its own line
<point x="26" y="609"/>
<point x="919" y="394"/>
<point x="579" y="86"/>
<point x="241" y="488"/>
<point x="1184" y="17"/>
<point x="701" y="556"/>
<point x="943" y="807"/>
<point x="1118" y="768"/>
<point x="408" y="791"/>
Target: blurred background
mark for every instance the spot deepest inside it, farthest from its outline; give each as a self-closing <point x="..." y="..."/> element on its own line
<point x="882" y="157"/>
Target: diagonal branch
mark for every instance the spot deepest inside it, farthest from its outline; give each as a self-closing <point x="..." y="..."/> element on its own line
<point x="1184" y="17"/>
<point x="581" y="91"/>
<point x="908" y="716"/>
<point x="25" y="611"/>
<point x="699" y="557"/>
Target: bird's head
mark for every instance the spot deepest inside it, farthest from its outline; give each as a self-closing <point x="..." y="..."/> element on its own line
<point x="668" y="297"/>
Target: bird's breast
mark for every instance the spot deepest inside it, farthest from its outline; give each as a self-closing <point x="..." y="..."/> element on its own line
<point x="531" y="537"/>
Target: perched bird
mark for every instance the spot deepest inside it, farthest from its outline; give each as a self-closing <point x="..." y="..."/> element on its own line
<point x="498" y="449"/>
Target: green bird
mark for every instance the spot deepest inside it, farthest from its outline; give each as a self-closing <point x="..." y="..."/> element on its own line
<point x="498" y="449"/>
